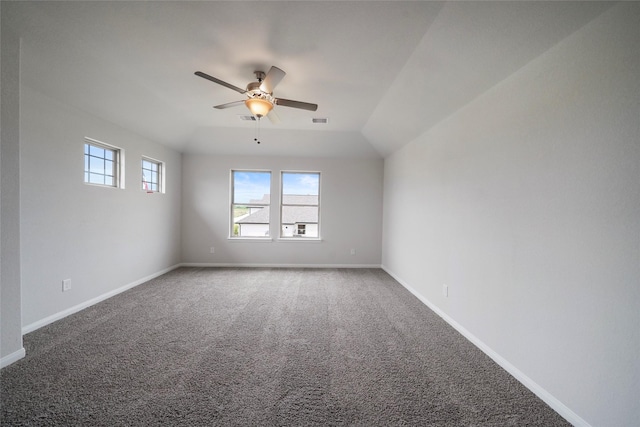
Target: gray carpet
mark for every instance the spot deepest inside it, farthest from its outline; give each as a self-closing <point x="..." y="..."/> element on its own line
<point x="262" y="347"/>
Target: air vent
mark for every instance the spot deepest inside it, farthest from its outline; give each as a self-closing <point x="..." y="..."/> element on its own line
<point x="247" y="118"/>
<point x="321" y="120"/>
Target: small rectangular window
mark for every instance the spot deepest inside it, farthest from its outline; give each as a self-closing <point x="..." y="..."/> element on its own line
<point x="152" y="175"/>
<point x="250" y="203"/>
<point x="101" y="164"/>
<point x="300" y="205"/>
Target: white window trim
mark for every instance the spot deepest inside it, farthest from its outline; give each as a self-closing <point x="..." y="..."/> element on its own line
<point x="250" y="239"/>
<point x="298" y="238"/>
<point x="161" y="175"/>
<point x="119" y="161"/>
<point x="268" y="238"/>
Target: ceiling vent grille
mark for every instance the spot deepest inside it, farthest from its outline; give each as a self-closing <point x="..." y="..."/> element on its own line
<point x="247" y="118"/>
<point x="321" y="120"/>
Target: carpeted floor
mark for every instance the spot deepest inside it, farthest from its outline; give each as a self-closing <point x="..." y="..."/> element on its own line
<point x="262" y="347"/>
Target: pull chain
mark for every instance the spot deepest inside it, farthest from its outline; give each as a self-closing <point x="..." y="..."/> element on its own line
<point x="257" y="130"/>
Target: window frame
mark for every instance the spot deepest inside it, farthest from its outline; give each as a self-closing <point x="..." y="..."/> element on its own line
<point x="300" y="237"/>
<point x="160" y="175"/>
<point x="232" y="204"/>
<point x="118" y="163"/>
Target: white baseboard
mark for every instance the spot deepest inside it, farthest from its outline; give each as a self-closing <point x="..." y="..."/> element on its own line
<point x="13" y="357"/>
<point x="249" y="265"/>
<point x="546" y="397"/>
<point x="50" y="319"/>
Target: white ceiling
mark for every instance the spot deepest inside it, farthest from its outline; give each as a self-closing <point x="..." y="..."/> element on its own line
<point x="382" y="72"/>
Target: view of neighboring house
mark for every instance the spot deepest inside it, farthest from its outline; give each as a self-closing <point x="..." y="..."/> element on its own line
<point x="299" y="217"/>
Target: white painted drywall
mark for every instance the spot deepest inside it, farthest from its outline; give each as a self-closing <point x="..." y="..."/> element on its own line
<point x="100" y="238"/>
<point x="529" y="200"/>
<point x="350" y="212"/>
<point x="11" y="335"/>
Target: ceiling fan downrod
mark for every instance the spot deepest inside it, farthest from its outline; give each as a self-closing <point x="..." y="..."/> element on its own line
<point x="259" y="75"/>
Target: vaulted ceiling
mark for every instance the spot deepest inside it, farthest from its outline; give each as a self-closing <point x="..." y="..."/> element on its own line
<point x="381" y="72"/>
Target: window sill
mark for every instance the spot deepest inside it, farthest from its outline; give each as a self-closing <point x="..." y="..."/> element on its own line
<point x="279" y="239"/>
<point x="250" y="239"/>
<point x="300" y="239"/>
<point x="93" y="184"/>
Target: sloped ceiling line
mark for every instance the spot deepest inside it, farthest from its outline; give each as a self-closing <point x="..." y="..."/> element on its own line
<point x="470" y="48"/>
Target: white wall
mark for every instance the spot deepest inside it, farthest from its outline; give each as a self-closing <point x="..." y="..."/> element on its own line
<point x="350" y="212"/>
<point x="101" y="238"/>
<point x="531" y="200"/>
<point x="10" y="335"/>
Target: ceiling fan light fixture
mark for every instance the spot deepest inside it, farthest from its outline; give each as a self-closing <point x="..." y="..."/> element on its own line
<point x="259" y="107"/>
<point x="261" y="100"/>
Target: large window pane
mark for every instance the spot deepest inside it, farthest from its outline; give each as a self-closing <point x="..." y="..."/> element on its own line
<point x="250" y="199"/>
<point x="300" y="207"/>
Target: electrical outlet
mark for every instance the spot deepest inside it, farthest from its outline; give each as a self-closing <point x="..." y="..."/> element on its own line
<point x="445" y="290"/>
<point x="66" y="285"/>
<point x="353" y="251"/>
<point x="212" y="250"/>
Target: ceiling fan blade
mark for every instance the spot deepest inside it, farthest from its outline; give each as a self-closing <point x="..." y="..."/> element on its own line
<point x="272" y="79"/>
<point x="296" y="104"/>
<point x="228" y="105"/>
<point x="220" y="82"/>
<point x="273" y="117"/>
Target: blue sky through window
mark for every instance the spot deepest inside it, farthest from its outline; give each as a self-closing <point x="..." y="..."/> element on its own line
<point x="99" y="165"/>
<point x="249" y="185"/>
<point x="307" y="184"/>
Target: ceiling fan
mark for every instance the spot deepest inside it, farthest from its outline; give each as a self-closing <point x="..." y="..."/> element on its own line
<point x="260" y="99"/>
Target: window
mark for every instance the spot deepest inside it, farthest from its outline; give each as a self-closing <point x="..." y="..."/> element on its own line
<point x="300" y="205"/>
<point x="152" y="175"/>
<point x="101" y="164"/>
<point x="250" y="200"/>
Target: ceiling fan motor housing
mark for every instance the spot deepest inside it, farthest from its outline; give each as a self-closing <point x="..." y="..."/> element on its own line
<point x="253" y="87"/>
